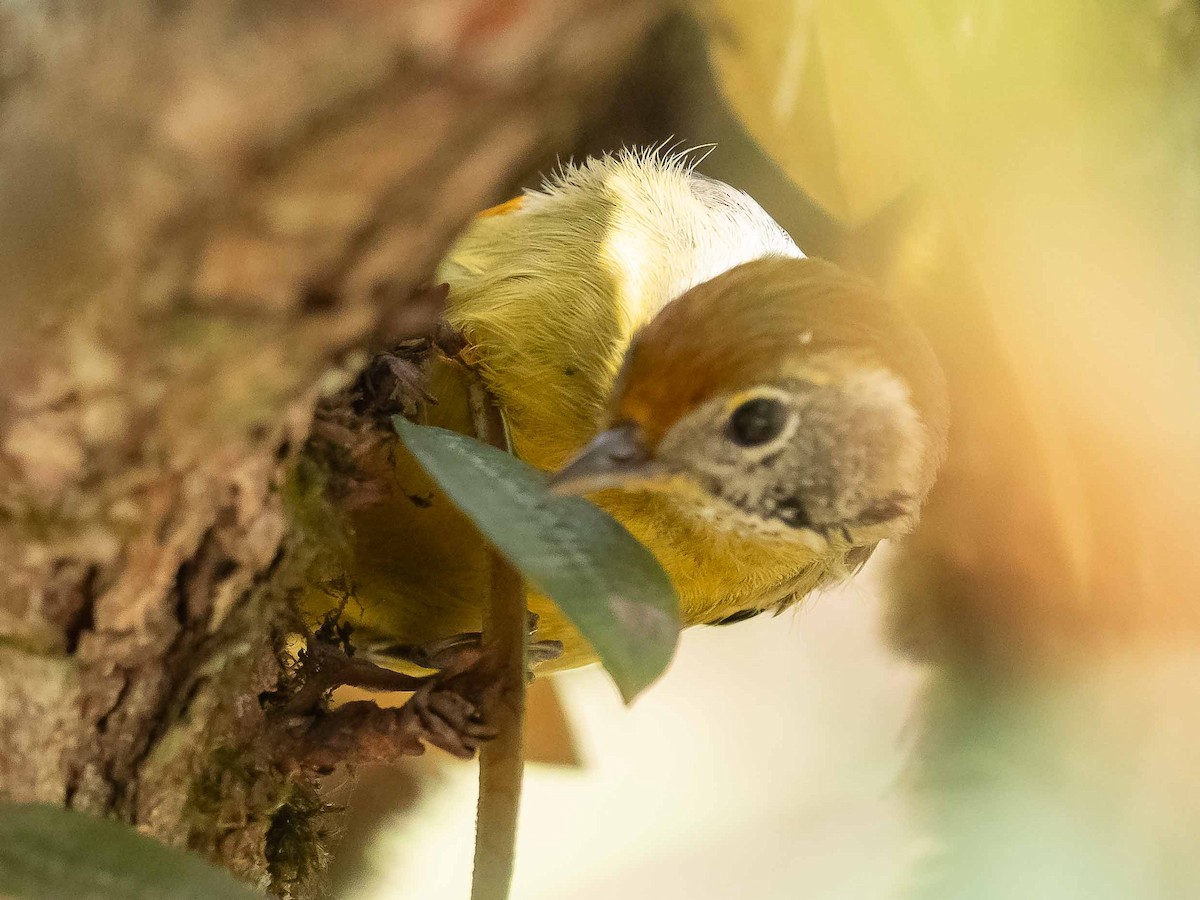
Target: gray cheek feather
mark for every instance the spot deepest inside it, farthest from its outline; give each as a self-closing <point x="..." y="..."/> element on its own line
<point x="818" y="481"/>
<point x="845" y="464"/>
<point x="767" y="488"/>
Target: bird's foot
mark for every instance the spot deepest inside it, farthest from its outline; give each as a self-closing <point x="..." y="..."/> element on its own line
<point x="447" y="709"/>
<point x="395" y="382"/>
<point x="363" y="732"/>
<point x="454" y="346"/>
<point x="445" y="653"/>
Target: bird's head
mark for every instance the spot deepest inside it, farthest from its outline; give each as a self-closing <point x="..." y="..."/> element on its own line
<point x="787" y="396"/>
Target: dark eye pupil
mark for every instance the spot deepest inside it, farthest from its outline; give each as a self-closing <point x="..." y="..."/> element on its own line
<point x="757" y="421"/>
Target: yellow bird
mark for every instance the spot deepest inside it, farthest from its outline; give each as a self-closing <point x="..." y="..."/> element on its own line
<point x="760" y="421"/>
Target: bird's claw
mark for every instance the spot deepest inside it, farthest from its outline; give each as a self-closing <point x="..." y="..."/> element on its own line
<point x="450" y="652"/>
<point x="448" y="720"/>
<point x="395" y="382"/>
<point x="448" y="709"/>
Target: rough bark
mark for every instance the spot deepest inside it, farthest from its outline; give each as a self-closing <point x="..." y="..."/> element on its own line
<point x="208" y="210"/>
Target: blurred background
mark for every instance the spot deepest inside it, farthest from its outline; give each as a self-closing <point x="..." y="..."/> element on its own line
<point x="1008" y="706"/>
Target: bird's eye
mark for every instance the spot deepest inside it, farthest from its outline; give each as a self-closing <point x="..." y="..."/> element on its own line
<point x="757" y="421"/>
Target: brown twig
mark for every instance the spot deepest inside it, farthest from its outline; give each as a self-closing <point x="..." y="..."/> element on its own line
<point x="505" y="645"/>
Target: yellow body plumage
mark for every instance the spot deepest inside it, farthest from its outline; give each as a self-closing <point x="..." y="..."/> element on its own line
<point x="548" y="291"/>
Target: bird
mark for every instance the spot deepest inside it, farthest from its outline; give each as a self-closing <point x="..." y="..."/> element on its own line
<point x="759" y="420"/>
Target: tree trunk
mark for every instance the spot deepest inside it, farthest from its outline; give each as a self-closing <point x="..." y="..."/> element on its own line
<point x="208" y="211"/>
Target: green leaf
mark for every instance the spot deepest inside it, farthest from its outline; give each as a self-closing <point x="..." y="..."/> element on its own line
<point x="49" y="853"/>
<point x="610" y="586"/>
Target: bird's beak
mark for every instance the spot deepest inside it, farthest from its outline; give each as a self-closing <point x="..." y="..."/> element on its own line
<point x="617" y="457"/>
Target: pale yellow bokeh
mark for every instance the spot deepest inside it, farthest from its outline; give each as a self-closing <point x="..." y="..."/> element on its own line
<point x="1050" y="246"/>
<point x="810" y="80"/>
<point x="1054" y="153"/>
